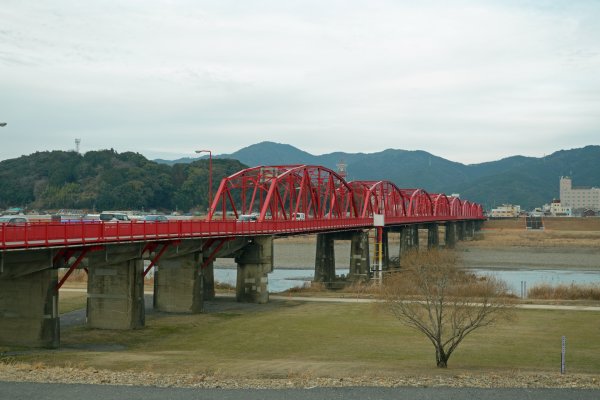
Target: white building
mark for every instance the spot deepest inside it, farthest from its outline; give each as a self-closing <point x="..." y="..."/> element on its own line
<point x="506" y="211"/>
<point x="578" y="198"/>
<point x="557" y="209"/>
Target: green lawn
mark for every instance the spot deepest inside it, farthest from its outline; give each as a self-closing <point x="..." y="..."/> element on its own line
<point x="286" y="338"/>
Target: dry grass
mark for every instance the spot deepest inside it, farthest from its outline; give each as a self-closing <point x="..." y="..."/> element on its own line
<point x="565" y="292"/>
<point x="527" y="238"/>
<point x="307" y="287"/>
<point x="550" y="223"/>
<point x="79" y="275"/>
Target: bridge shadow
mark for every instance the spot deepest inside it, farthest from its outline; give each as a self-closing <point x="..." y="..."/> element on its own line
<point x="222" y="303"/>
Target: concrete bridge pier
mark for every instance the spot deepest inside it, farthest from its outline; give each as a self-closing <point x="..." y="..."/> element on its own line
<point x="28" y="300"/>
<point x="254" y="263"/>
<point x="433" y="236"/>
<point x="450" y="238"/>
<point x="384" y="259"/>
<point x="359" y="256"/>
<point x="461" y="230"/>
<point x="414" y="237"/>
<point x="208" y="279"/>
<point x="470" y="229"/>
<point x="115" y="298"/>
<point x="179" y="284"/>
<point x="325" y="259"/>
<point x="405" y="241"/>
<point x="386" y="249"/>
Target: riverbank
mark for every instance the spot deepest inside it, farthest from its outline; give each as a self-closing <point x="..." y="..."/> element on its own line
<point x="289" y="343"/>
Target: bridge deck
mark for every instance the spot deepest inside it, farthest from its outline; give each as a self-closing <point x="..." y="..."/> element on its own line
<point x="52" y="234"/>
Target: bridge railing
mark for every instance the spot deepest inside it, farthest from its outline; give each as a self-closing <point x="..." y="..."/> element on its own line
<point x="47" y="234"/>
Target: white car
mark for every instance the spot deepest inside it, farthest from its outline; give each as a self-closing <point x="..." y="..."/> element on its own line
<point x="13" y="220"/>
<point x="299" y="216"/>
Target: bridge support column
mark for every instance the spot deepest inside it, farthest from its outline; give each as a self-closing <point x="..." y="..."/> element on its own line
<point x="386" y="249"/>
<point x="325" y="259"/>
<point x="462" y="230"/>
<point x="359" y="257"/>
<point x="470" y="229"/>
<point x="450" y="238"/>
<point x="178" y="283"/>
<point x="116" y="295"/>
<point x="29" y="310"/>
<point x="255" y="262"/>
<point x="405" y="241"/>
<point x="414" y="237"/>
<point x="208" y="274"/>
<point x="433" y="236"/>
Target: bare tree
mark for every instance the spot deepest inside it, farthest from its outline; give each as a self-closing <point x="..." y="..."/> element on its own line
<point x="435" y="297"/>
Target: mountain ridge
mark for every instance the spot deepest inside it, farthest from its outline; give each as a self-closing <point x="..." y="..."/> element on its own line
<point x="528" y="181"/>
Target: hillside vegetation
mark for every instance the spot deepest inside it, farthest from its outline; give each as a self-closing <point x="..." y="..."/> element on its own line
<point x="105" y="179"/>
<point x="527" y="181"/>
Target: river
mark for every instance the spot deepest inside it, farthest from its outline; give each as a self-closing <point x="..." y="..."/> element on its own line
<point x="520" y="268"/>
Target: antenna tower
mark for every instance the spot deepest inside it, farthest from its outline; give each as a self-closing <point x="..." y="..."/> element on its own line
<point x="341" y="169"/>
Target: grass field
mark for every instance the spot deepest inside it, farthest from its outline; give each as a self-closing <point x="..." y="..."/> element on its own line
<point x="71" y="301"/>
<point x="286" y="338"/>
<point x="564" y="233"/>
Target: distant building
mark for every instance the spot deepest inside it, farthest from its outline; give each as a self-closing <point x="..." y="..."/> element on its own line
<point x="578" y="198"/>
<point x="557" y="209"/>
<point x="506" y="211"/>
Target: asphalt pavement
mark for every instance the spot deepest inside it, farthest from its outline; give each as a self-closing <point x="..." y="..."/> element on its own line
<point x="55" y="391"/>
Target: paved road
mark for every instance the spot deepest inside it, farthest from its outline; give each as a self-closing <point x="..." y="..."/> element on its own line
<point x="49" y="391"/>
<point x="148" y="301"/>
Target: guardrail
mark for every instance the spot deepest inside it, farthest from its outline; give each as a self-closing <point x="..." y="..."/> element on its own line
<point x="56" y="234"/>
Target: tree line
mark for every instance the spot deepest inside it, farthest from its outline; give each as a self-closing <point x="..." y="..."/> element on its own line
<point x="105" y="179"/>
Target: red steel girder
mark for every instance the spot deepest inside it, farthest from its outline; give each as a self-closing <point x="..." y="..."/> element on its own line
<point x="67" y="254"/>
<point x="165" y="246"/>
<point x="213" y="254"/>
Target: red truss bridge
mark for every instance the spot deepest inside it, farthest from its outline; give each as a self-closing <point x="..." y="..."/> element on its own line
<point x="264" y="200"/>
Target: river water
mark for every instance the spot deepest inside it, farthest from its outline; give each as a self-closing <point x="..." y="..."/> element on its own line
<point x="520" y="268"/>
<point x="283" y="279"/>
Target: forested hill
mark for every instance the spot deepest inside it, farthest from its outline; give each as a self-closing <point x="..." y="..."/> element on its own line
<point x="103" y="180"/>
<point x="527" y="181"/>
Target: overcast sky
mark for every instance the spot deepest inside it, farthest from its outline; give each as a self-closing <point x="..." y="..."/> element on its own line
<point x="470" y="81"/>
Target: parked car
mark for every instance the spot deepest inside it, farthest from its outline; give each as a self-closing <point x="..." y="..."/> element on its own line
<point x="156" y="218"/>
<point x="299" y="216"/>
<point x="247" y="218"/>
<point x="113" y="216"/>
<point x="13" y="220"/>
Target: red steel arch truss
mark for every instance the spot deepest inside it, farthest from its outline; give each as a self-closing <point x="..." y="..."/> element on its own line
<point x="284" y="193"/>
<point x="379" y="197"/>
<point x="290" y="192"/>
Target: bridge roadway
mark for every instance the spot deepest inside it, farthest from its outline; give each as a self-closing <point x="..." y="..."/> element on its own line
<point x="287" y="200"/>
<point x="35" y="235"/>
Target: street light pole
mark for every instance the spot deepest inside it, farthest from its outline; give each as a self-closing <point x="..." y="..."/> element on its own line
<point x="209" y="176"/>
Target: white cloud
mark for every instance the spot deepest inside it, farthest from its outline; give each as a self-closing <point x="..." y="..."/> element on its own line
<point x="470" y="81"/>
